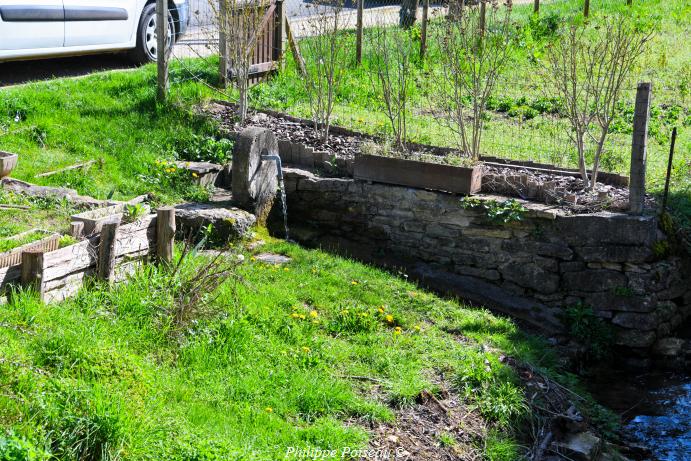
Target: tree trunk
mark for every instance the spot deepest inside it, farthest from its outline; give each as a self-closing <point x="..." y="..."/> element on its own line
<point x="408" y="13"/>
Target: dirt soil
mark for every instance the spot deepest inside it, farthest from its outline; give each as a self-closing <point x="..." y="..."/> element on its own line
<point x="434" y="428"/>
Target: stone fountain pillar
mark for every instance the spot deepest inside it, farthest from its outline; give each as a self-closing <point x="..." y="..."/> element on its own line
<point x="255" y="182"/>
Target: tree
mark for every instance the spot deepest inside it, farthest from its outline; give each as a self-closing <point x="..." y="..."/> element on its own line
<point x="240" y="21"/>
<point x="588" y="67"/>
<point x="390" y="76"/>
<point x="475" y="50"/>
<point x="325" y="53"/>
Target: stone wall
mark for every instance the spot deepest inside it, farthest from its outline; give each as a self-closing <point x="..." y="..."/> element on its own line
<point x="531" y="269"/>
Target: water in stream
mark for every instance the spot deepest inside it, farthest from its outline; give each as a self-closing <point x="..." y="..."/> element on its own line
<point x="656" y="410"/>
<point x="665" y="425"/>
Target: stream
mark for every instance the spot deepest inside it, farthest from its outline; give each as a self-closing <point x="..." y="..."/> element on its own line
<point x="656" y="411"/>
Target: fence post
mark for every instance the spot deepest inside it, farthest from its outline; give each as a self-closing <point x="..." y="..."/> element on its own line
<point x="423" y="31"/>
<point x="586" y="8"/>
<point x="483" y="14"/>
<point x="161" y="48"/>
<point x="32" y="270"/>
<point x="222" y="43"/>
<point x="358" y="36"/>
<point x="76" y="229"/>
<point x="106" y="251"/>
<point x="639" y="143"/>
<point x="536" y="6"/>
<point x="165" y="234"/>
<point x="280" y="31"/>
<point x="669" y="169"/>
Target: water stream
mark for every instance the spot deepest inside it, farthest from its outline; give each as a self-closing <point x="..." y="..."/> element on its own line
<point x="655" y="409"/>
<point x="282" y="190"/>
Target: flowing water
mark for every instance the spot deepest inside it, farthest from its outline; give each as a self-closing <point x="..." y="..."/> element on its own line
<point x="655" y="409"/>
<point x="281" y="188"/>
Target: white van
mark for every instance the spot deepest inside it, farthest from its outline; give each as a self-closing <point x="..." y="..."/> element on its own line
<point x="31" y="29"/>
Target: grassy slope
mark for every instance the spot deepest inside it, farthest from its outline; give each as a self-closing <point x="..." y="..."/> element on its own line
<point x="256" y="378"/>
<point x="111" y="117"/>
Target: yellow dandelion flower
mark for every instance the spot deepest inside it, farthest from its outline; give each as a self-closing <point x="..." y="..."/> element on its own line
<point x="195" y="175"/>
<point x="353" y="282"/>
<point x="303" y="317"/>
<point x="314" y="314"/>
<point x="381" y="309"/>
<point x="417" y="328"/>
<point x="397" y="331"/>
<point x="285" y="269"/>
<point x="253" y="259"/>
<point x="389" y="318"/>
<point x="306" y="349"/>
<point x="269" y="410"/>
<point x="295" y="315"/>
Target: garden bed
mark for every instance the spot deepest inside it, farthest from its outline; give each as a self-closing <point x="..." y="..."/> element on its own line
<point x="560" y="187"/>
<point x="11" y="248"/>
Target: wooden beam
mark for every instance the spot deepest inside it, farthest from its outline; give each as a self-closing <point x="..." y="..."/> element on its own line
<point x="106" y="251"/>
<point x="32" y="270"/>
<point x="67" y="168"/>
<point x="295" y="48"/>
<point x="639" y="144"/>
<point x="162" y="49"/>
<point x="165" y="234"/>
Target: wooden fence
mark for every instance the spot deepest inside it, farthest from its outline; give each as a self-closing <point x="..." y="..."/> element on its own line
<point x="110" y="255"/>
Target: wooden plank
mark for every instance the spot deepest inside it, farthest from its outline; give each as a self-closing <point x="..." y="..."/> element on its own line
<point x="71" y="259"/>
<point x="9" y="275"/>
<point x="421" y="175"/>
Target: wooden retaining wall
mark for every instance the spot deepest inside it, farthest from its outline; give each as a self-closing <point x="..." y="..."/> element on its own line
<point x="57" y="275"/>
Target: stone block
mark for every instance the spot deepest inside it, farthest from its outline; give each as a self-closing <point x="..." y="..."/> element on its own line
<point x="486" y="274"/>
<point x="632" y="320"/>
<point x="571" y="266"/>
<point x="593" y="280"/>
<point x="607" y="228"/>
<point x="614" y="253"/>
<point x="555" y="250"/>
<point x="531" y="276"/>
<point x="285" y="151"/>
<point x="635" y="338"/>
<point x="488" y="232"/>
<point x="612" y="301"/>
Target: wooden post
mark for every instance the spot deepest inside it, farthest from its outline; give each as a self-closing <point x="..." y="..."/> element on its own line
<point x="32" y="270"/>
<point x="586" y="8"/>
<point x="358" y="37"/>
<point x="106" y="251"/>
<point x="76" y="229"/>
<point x="223" y="43"/>
<point x="162" y="49"/>
<point x="165" y="234"/>
<point x="483" y="15"/>
<point x="295" y="48"/>
<point x="669" y="169"/>
<point x="536" y="6"/>
<point x="641" y="116"/>
<point x="280" y="31"/>
<point x="423" y="31"/>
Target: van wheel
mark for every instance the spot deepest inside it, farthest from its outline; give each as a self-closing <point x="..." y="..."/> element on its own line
<point x="147" y="42"/>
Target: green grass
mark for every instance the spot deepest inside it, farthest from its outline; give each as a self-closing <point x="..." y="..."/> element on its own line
<point x="105" y="375"/>
<point x="110" y="117"/>
<point x="41" y="213"/>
